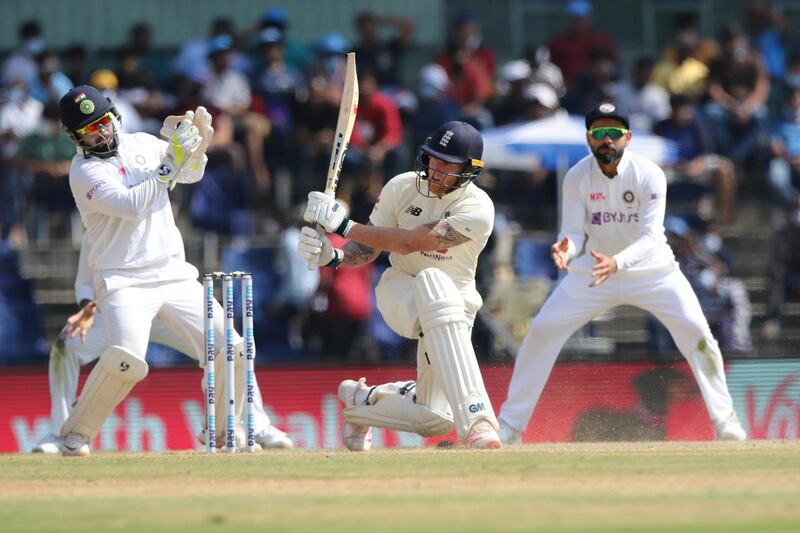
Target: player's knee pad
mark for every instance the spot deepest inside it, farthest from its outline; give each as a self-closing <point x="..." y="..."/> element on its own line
<point x="112" y="378"/>
<point x="447" y="335"/>
<point x="400" y="412"/>
<point x="437" y="298"/>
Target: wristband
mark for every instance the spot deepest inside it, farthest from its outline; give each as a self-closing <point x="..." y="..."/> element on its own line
<point x="338" y="256"/>
<point x="344" y="228"/>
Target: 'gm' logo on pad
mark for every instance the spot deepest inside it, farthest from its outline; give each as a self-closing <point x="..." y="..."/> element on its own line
<point x="476" y="407"/>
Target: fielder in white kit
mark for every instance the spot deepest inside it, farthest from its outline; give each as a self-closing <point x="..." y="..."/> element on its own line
<point x="617" y="199"/>
<point x="434" y="222"/>
<point x="120" y="183"/>
<point x="83" y="339"/>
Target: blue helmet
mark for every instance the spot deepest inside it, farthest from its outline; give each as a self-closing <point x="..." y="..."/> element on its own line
<point x="452" y="142"/>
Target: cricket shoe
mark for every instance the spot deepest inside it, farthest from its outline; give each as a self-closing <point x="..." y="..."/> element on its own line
<point x="273" y="438"/>
<point x="48" y="444"/>
<point x="356" y="438"/>
<point x="482" y="435"/>
<point x="75" y="444"/>
<point x="509" y="435"/>
<point x="730" y="429"/>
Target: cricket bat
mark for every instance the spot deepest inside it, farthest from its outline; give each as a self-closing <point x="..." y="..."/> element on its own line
<point x="348" y="108"/>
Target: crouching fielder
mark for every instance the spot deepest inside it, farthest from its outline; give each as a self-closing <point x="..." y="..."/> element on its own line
<point x="617" y="199"/>
<point x="434" y="222"/>
<point x="82" y="341"/>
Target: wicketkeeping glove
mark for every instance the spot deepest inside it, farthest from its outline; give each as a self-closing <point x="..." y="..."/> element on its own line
<point x="328" y="213"/>
<point x="183" y="140"/>
<point x="316" y="249"/>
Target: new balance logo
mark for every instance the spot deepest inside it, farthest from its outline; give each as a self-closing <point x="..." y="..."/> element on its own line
<point x="413" y="210"/>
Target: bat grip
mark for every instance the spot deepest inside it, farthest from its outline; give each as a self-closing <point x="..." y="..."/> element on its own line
<point x="311" y="265"/>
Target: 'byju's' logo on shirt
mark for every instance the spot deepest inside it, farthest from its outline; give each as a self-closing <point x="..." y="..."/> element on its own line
<point x="413" y="210"/>
<point x="604" y="217"/>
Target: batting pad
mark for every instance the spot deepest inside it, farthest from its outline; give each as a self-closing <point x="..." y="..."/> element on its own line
<point x="110" y="381"/>
<point x="394" y="407"/>
<point x="447" y="335"/>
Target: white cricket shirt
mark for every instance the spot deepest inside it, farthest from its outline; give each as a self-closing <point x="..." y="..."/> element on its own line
<point x="468" y="210"/>
<point x="127" y="214"/>
<point x="622" y="216"/>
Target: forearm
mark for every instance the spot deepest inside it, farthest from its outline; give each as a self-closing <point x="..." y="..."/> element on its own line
<point x="396" y="240"/>
<point x="355" y="254"/>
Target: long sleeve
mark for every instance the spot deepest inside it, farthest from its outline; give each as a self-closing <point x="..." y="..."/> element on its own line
<point x="651" y="222"/>
<point x="573" y="215"/>
<point x="98" y="193"/>
<point x="84" y="287"/>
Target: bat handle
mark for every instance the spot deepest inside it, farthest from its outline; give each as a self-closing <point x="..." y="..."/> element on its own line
<point x="311" y="265"/>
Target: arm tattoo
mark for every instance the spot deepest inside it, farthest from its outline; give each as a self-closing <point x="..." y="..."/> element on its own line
<point x="445" y="235"/>
<point x="356" y="254"/>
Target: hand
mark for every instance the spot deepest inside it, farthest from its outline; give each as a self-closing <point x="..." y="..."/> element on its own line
<point x="559" y="253"/>
<point x="184" y="139"/>
<point x="316" y="249"/>
<point x="604" y="267"/>
<point x="327" y="212"/>
<point x="81" y="322"/>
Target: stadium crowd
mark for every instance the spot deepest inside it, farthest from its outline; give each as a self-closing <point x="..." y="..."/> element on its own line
<point x="730" y="103"/>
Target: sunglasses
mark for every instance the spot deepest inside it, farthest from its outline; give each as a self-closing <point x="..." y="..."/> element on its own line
<point x="92" y="128"/>
<point x="613" y="132"/>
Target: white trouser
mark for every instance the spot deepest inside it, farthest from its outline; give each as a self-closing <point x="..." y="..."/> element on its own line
<point x="69" y="355"/>
<point x="449" y="386"/>
<point x="667" y="295"/>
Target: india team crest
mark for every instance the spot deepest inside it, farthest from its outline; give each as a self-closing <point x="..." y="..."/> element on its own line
<point x="86" y="107"/>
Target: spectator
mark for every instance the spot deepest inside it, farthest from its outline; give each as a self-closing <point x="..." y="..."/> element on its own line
<point x="76" y="60"/>
<point x="280" y="88"/>
<point x="510" y="103"/>
<point x="49" y="84"/>
<point x="466" y="35"/>
<point x="767" y="32"/>
<point x="545" y="71"/>
<point x="154" y="64"/>
<point x="680" y="71"/>
<point x="686" y="24"/>
<point x="470" y="84"/>
<point x="697" y="164"/>
<point x="227" y="89"/>
<point x="344" y="304"/>
<point x="43" y="157"/>
<point x="106" y="82"/>
<point x="738" y="89"/>
<point x="540" y="101"/>
<point x="378" y="131"/>
<point x="21" y="65"/>
<point x="592" y="86"/>
<point x="19" y="116"/>
<point x="192" y="58"/>
<point x="724" y="299"/>
<point x="297" y="54"/>
<point x="784" y="169"/>
<point x="435" y="105"/>
<point x="383" y="58"/>
<point x="784" y="274"/>
<point x="640" y="98"/>
<point x="292" y="300"/>
<point x="570" y="50"/>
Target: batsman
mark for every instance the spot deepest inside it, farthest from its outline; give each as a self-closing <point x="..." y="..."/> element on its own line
<point x="434" y="223"/>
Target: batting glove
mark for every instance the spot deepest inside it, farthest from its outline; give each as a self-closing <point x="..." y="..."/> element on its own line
<point x="328" y="213"/>
<point x="317" y="250"/>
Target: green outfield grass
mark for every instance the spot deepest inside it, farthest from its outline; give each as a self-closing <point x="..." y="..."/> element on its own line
<point x="752" y="486"/>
